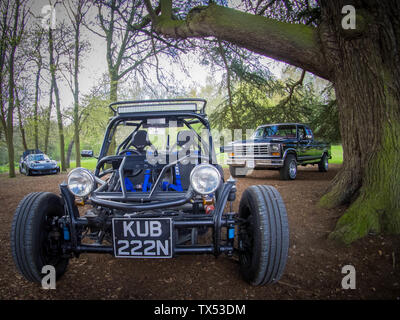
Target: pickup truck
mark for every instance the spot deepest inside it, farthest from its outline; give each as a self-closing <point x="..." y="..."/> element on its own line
<point x="278" y="146"/>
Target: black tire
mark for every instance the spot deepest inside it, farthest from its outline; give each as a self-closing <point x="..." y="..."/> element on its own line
<point x="30" y="236"/>
<point x="27" y="171"/>
<point x="323" y="164"/>
<point x="238" y="172"/>
<point x="264" y="236"/>
<point x="289" y="169"/>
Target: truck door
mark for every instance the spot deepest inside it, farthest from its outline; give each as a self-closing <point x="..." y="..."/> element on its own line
<point x="317" y="148"/>
<point x="306" y="151"/>
<point x="315" y="151"/>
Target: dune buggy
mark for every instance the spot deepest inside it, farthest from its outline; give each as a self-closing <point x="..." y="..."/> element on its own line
<point x="159" y="195"/>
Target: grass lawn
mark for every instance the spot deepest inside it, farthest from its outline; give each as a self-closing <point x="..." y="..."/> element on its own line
<point x="337" y="158"/>
<point x="337" y="154"/>
<point x="85" y="163"/>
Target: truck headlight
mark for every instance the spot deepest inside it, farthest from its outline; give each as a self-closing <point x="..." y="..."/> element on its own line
<point x="81" y="182"/>
<point x="205" y="179"/>
<point x="275" y="148"/>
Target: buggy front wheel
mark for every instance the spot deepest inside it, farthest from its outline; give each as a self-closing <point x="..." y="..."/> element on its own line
<point x="36" y="237"/>
<point x="263" y="235"/>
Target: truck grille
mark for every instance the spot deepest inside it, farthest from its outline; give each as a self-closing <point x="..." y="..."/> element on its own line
<point x="257" y="150"/>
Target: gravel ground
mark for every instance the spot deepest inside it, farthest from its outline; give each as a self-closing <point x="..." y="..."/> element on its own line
<point x="313" y="270"/>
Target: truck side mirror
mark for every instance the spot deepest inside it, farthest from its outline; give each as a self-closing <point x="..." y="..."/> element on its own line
<point x="87" y="153"/>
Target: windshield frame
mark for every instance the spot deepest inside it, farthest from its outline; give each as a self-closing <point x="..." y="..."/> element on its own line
<point x="34" y="157"/>
<point x="187" y="118"/>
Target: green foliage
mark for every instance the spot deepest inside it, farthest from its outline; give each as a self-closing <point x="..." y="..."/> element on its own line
<point x="85" y="163"/>
<point x="257" y="100"/>
<point x="94" y="122"/>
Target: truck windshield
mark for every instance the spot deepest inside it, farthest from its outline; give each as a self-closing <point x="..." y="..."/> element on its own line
<point x="259" y="133"/>
<point x="281" y="131"/>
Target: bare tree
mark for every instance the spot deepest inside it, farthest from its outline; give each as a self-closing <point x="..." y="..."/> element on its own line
<point x="128" y="42"/>
<point x="37" y="56"/>
<point x="48" y="118"/>
<point x="54" y="57"/>
<point x="126" y="30"/>
<point x="12" y="29"/>
<point x="76" y="11"/>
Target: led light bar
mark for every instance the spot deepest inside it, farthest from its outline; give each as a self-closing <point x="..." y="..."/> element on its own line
<point x="158" y="107"/>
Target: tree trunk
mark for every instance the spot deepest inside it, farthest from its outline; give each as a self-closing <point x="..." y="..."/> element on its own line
<point x="76" y="95"/>
<point x="57" y="97"/>
<point x="36" y="106"/>
<point x="113" y="87"/>
<point x="11" y="88"/>
<point x="77" y="140"/>
<point x="69" y="152"/>
<point x="228" y="85"/>
<point x="60" y="125"/>
<point x="366" y="79"/>
<point x="21" y="127"/>
<point x="10" y="118"/>
<point x="113" y="98"/>
<point x="48" y="117"/>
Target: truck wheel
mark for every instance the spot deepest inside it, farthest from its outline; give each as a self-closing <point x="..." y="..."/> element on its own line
<point x="263" y="235"/>
<point x="323" y="164"/>
<point x="35" y="235"/>
<point x="238" y="172"/>
<point x="289" y="169"/>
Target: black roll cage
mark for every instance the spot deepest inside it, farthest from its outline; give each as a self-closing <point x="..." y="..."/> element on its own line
<point x="199" y="115"/>
<point x="141" y="201"/>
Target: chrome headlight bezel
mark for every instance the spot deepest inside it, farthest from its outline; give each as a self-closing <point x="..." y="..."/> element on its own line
<point x="89" y="184"/>
<point x="202" y="169"/>
<point x="275" y="147"/>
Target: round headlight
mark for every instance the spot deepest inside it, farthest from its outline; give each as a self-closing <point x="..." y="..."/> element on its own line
<point x="205" y="179"/>
<point x="275" y="148"/>
<point x="81" y="182"/>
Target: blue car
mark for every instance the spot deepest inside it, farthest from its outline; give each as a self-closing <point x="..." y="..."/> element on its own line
<point x="37" y="163"/>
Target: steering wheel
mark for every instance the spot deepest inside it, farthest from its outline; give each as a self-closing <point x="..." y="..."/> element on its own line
<point x="129" y="150"/>
<point x="137" y="151"/>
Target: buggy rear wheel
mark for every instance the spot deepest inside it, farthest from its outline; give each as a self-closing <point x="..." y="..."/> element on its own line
<point x="36" y="237"/>
<point x="263" y="235"/>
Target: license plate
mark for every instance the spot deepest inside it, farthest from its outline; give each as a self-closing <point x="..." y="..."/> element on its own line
<point x="142" y="238"/>
<point x="250" y="164"/>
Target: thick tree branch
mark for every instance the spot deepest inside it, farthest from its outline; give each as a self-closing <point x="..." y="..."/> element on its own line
<point x="292" y="88"/>
<point x="294" y="44"/>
